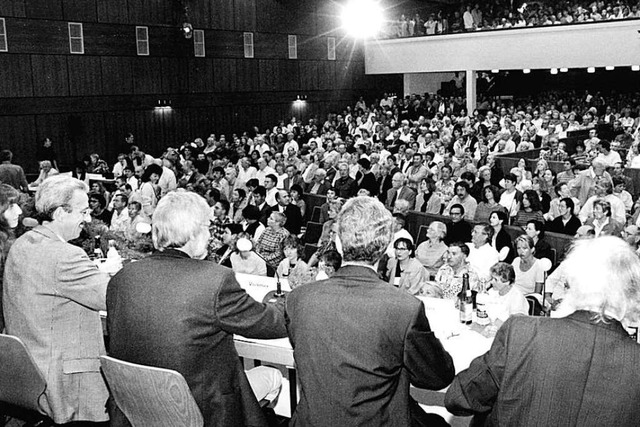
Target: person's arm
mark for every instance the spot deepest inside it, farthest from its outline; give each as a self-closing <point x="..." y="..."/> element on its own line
<point x="475" y="390"/>
<point x="237" y="313"/>
<point x="78" y="279"/>
<point x="428" y="363"/>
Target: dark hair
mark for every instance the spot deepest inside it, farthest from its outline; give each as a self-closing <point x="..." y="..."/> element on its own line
<point x="333" y="259"/>
<point x="408" y="243"/>
<point x="494" y="190"/>
<point x="241" y="192"/>
<point x="463" y="184"/>
<point x="463" y="247"/>
<point x="260" y="190"/>
<point x="469" y="176"/>
<point x="401" y="217"/>
<point x="538" y="225"/>
<point x="99" y="197"/>
<point x="292" y="241"/>
<point x="233" y="227"/>
<point x="253" y="182"/>
<point x="251" y="212"/>
<point x="459" y="206"/>
<point x="151" y="169"/>
<point x="6" y="156"/>
<point x="617" y="180"/>
<point x="502" y="216"/>
<point x="298" y="188"/>
<point x="534" y="200"/>
<point x="225" y="205"/>
<point x="365" y="163"/>
<point x="570" y="204"/>
<point x="273" y="178"/>
<point x="511" y="177"/>
<point x="218" y="169"/>
<point x="605" y="144"/>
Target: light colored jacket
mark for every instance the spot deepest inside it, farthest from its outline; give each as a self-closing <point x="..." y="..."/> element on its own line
<point x="52" y="294"/>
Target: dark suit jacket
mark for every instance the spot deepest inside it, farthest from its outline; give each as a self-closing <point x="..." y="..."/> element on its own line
<point x="358" y="344"/>
<point x="542" y="372"/>
<point x="175" y="312"/>
<point x="369" y="183"/>
<point x="322" y="189"/>
<point x="346" y="187"/>
<point x="288" y="182"/>
<point x="294" y="217"/>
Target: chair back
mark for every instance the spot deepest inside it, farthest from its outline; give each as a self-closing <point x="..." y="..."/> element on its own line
<point x="422" y="234"/>
<point x="151" y="396"/>
<point x="21" y="382"/>
<point x="315" y="215"/>
<point x="535" y="308"/>
<point x="313" y="233"/>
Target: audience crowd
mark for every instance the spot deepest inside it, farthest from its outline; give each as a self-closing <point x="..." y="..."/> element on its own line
<point x="500" y="14"/>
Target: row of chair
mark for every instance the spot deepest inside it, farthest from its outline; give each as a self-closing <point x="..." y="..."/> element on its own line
<point x="148" y="396"/>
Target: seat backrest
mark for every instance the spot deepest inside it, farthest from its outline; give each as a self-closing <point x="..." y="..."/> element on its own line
<point x="313" y="233"/>
<point x="21" y="382"/>
<point x="422" y="234"/>
<point x="151" y="396"/>
<point x="315" y="215"/>
<point x="535" y="308"/>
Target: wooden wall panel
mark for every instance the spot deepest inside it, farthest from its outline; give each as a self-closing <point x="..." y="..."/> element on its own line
<point x="201" y="14"/>
<point x="86" y="133"/>
<point x="143" y="12"/>
<point x="247" y="75"/>
<point x="54" y="126"/>
<point x="80" y="10"/>
<point x="113" y="11"/>
<point x="15" y="76"/>
<point x="117" y="75"/>
<point x="224" y="75"/>
<point x="147" y="75"/>
<point x="309" y="75"/>
<point x="269" y="74"/>
<point x="19" y="135"/>
<point x="222" y="15"/>
<point x="175" y="76"/>
<point x="225" y="44"/>
<point x="201" y="75"/>
<point x="50" y="77"/>
<point x="49" y="9"/>
<point x="15" y="8"/>
<point x="109" y="39"/>
<point x="289" y="75"/>
<point x="245" y="15"/>
<point x="38" y="36"/>
<point x="85" y="75"/>
<point x="271" y="45"/>
<point x="328" y="19"/>
<point x="169" y="41"/>
<point x="326" y="74"/>
<point x="312" y="48"/>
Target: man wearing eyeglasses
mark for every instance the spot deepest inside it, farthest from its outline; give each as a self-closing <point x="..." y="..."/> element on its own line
<point x="51" y="300"/>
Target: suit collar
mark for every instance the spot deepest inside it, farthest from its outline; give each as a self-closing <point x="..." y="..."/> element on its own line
<point x="364" y="274"/>
<point x="585" y="316"/>
<point x="170" y="253"/>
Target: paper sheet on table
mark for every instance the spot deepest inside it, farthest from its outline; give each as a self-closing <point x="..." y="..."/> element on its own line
<point x="258" y="286"/>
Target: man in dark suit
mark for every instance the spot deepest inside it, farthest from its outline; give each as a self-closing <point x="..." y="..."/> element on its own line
<point x="174" y="310"/>
<point x="293" y="178"/>
<point x="291" y="211"/>
<point x="458" y="230"/>
<point x="355" y="365"/>
<point x="580" y="370"/>
<point x="259" y="198"/>
<point x="345" y="186"/>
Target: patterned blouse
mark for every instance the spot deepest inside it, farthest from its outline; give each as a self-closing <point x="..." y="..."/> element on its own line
<point x="270" y="245"/>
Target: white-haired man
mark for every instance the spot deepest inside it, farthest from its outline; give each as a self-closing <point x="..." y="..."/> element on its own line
<point x="177" y="311"/>
<point x="51" y="300"/>
<point x="355" y="365"/>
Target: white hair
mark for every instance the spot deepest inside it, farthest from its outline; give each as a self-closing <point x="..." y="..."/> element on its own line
<point x="179" y="216"/>
<point x="603" y="275"/>
<point x="55" y="192"/>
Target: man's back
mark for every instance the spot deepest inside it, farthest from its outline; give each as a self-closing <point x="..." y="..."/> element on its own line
<point x="358" y="344"/>
<point x="13" y="175"/>
<point x="179" y="313"/>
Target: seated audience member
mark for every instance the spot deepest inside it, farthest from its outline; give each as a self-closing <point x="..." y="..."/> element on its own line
<point x="237" y="203"/>
<point x="292" y="212"/>
<point x="562" y="191"/>
<point x="507" y="299"/>
<point x="511" y="198"/>
<point x="120" y="219"/>
<point x="583" y="185"/>
<point x="458" y="230"/>
<point x="531" y="209"/>
<point x="345" y="311"/>
<point x="259" y="199"/>
<point x="405" y="272"/>
<point x="269" y="245"/>
<point x="52" y="295"/>
<point x="604" y="191"/>
<point x="247" y="262"/>
<point x="251" y="224"/>
<point x="431" y="252"/>
<point x="589" y="365"/>
<point x="152" y="321"/>
<point x="296" y="198"/>
<point x="631" y="235"/>
<point x="329" y="263"/>
<point x="136" y="217"/>
<point x="619" y="185"/>
<point x="463" y="198"/>
<point x="99" y="211"/>
<point x="535" y="230"/>
<point x="345" y="186"/>
<point x="399" y="231"/>
<point x="501" y="240"/>
<point x="399" y="191"/>
<point x="324" y="208"/>
<point x="449" y="276"/>
<point x="46" y="170"/>
<point x="401" y="207"/>
<point x="481" y="254"/>
<point x="488" y="204"/>
<point x="292" y="266"/>
<point x="602" y="222"/>
<point x="427" y="199"/>
<point x="326" y="245"/>
<point x="228" y="239"/>
<point x="566" y="222"/>
<point x="529" y="271"/>
<point x="318" y="185"/>
<point x="366" y="179"/>
<point x="334" y="210"/>
<point x="149" y="189"/>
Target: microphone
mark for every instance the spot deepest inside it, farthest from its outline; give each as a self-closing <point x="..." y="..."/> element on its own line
<point x="245" y="245"/>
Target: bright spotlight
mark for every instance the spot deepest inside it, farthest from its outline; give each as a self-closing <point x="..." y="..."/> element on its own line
<point x="362" y="18"/>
